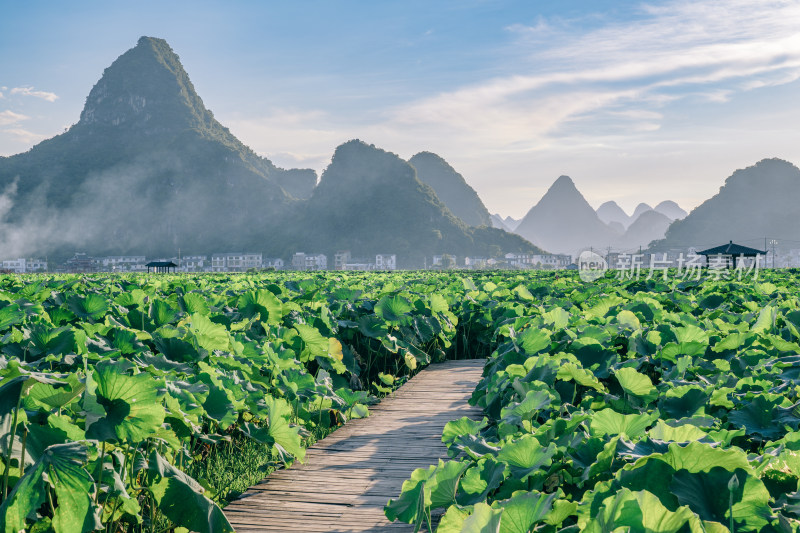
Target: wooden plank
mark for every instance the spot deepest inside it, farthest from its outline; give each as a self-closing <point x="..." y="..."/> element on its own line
<point x="350" y="475"/>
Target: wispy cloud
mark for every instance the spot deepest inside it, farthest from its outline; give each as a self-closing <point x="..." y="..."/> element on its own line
<point x="673" y="51"/>
<point x="8" y="117"/>
<point x="29" y="91"/>
<point x="25" y="136"/>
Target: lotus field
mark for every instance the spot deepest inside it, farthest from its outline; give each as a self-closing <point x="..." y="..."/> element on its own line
<point x="636" y="406"/>
<point x="145" y="402"/>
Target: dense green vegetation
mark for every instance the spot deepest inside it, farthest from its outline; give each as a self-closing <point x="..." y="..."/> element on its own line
<point x="624" y="406"/>
<point x="136" y="402"/>
<point x="141" y="403"/>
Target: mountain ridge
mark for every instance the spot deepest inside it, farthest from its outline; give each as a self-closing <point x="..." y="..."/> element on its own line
<point x="148" y="170"/>
<point x="451" y="188"/>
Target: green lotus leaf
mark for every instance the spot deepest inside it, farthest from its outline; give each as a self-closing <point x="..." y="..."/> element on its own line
<point x="581" y="376"/>
<point x="414" y="498"/>
<point x="626" y="319"/>
<point x="314" y="343"/>
<point x="525" y="456"/>
<point x="641" y="511"/>
<point x="285" y="437"/>
<point x="394" y="310"/>
<point x="710" y="494"/>
<point x="610" y="422"/>
<point x="534" y="401"/>
<point x="62" y="467"/>
<point x="483" y="519"/>
<point x="682" y="401"/>
<point x="180" y="498"/>
<point x="462" y="426"/>
<point x="684" y="433"/>
<point x="766" y="320"/>
<point x="443" y="484"/>
<point x="261" y="302"/>
<point x="758" y="417"/>
<point x="523" y="510"/>
<point x="90" y="307"/>
<point x="194" y="303"/>
<point x="132" y="406"/>
<point x="557" y="317"/>
<point x="480" y="479"/>
<point x="209" y="335"/>
<point x="453" y="520"/>
<point x="533" y="340"/>
<point x="636" y="384"/>
<point x="371" y="326"/>
<point x="11" y="315"/>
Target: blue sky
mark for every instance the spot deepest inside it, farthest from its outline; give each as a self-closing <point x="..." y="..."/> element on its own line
<point x="637" y="102"/>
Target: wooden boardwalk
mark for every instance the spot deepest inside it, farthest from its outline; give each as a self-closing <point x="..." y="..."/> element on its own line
<point x="350" y="475"/>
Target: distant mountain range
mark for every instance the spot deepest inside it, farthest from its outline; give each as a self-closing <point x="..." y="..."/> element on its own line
<point x="370" y="200"/>
<point x="613" y="214"/>
<point x="755" y="204"/>
<point x="149" y="170"/>
<point x="564" y="222"/>
<point x="451" y="188"/>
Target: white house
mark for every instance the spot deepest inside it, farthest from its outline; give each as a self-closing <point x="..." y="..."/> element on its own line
<point x="272" y="262"/>
<point x="22" y="265"/>
<point x="444" y="261"/>
<point x="120" y="263"/>
<point x="554" y="261"/>
<point x="193" y="263"/>
<point x="386" y="262"/>
<point x="235" y="262"/>
<point x="303" y="261"/>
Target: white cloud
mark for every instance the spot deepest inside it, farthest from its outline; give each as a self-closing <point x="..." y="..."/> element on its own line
<point x="624" y="104"/>
<point x="29" y="91"/>
<point x="25" y="136"/>
<point x="674" y="50"/>
<point x="289" y="138"/>
<point x="8" y="117"/>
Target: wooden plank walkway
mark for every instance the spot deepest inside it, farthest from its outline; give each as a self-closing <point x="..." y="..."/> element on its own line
<point x="350" y="475"/>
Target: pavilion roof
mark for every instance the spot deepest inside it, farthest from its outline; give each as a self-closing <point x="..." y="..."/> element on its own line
<point x="732" y="249"/>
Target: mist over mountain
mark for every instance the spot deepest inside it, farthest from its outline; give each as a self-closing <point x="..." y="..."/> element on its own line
<point x="756" y="202"/>
<point x="671" y="210"/>
<point x="564" y="222"/>
<point x="451" y="188"/>
<point x="649" y="226"/>
<point x="511" y="222"/>
<point x="148" y="170"/>
<point x="499" y="223"/>
<point x="616" y="226"/>
<point x="371" y="201"/>
<point x="297" y="182"/>
<point x="641" y="208"/>
<point x="612" y="212"/>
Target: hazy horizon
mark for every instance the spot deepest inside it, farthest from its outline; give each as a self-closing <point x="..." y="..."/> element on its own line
<point x="636" y="102"/>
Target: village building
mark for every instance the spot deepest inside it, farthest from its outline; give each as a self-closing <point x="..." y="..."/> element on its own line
<point x="193" y="263"/>
<point x="24" y="266"/>
<point x="275" y="263"/>
<point x="386" y="262"/>
<point x="235" y="262"/>
<point x="303" y="261"/>
<point x="340" y="259"/>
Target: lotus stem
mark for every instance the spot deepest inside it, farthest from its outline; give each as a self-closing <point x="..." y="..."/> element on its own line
<point x="22" y="460"/>
<point x="10" y="447"/>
